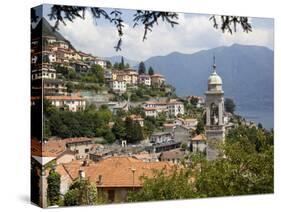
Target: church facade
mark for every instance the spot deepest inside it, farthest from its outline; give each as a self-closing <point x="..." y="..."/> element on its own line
<point x="214" y="127"/>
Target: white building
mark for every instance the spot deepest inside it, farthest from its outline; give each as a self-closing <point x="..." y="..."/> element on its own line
<point x="118" y="86"/>
<point x="48" y="57"/>
<point x="100" y="61"/>
<point x="172" y="107"/>
<point x="145" y="79"/>
<point x="175" y="108"/>
<point x="150" y="112"/>
<point x="161" y="137"/>
<point x="158" y="105"/>
<point x="71" y="103"/>
<point x="107" y="75"/>
<point x="46" y="72"/>
<point x="198" y="144"/>
<point x="187" y="123"/>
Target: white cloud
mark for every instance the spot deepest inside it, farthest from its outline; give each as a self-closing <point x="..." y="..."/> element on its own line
<point x="194" y="32"/>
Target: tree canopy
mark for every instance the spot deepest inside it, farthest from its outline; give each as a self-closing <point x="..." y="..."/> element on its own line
<point x="81" y="192"/>
<point x="53" y="191"/>
<point x="150" y="71"/>
<point x="142" y="68"/>
<point x="229" y="105"/>
<point x="243" y="170"/>
<point x="133" y="131"/>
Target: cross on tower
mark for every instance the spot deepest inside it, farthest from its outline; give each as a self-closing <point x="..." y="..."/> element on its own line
<point x="214" y="62"/>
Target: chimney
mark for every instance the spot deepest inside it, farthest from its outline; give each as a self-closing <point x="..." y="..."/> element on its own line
<point x="85" y="163"/>
<point x="99" y="179"/>
<point x="81" y="174"/>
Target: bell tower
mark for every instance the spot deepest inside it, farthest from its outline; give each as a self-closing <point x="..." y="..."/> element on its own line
<point x="214" y="127"/>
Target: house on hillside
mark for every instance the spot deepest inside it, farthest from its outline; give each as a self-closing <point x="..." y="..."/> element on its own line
<point x="174" y="155"/>
<point x="137" y="118"/>
<point x="114" y="107"/>
<point x="43" y="71"/>
<point x="80" y="145"/>
<point x="181" y="134"/>
<point x="53" y="87"/>
<point x="144" y="79"/>
<point x="161" y="137"/>
<point x="150" y="112"/>
<point x="99" y="61"/>
<point x="157" y="80"/>
<point x="71" y="103"/>
<point x="114" y="176"/>
<point x="198" y="144"/>
<point x="175" y="108"/>
<point x="118" y="86"/>
<point x="53" y="150"/>
<point x="188" y="123"/>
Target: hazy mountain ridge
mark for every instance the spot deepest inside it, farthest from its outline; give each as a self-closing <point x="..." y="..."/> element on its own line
<point x="246" y="71"/>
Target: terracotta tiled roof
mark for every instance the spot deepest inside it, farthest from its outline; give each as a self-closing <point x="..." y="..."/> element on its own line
<point x="73" y="140"/>
<point x="118" y="171"/>
<point x="136" y="117"/>
<point x="158" y="75"/>
<point x="172" y="154"/>
<point x="200" y="137"/>
<point x="64" y="98"/>
<point x="85" y="54"/>
<point x="190" y="120"/>
<point x="187" y="120"/>
<point x="53" y="148"/>
<point x="144" y="156"/>
<point x="168" y="125"/>
<point x="48" y="149"/>
<point x="155" y="103"/>
<point x="150" y="109"/>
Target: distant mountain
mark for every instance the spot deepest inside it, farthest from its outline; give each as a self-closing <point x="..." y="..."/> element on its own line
<point x="246" y="71"/>
<point x="117" y="59"/>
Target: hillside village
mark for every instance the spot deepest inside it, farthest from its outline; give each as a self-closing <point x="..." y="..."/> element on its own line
<point x="109" y="123"/>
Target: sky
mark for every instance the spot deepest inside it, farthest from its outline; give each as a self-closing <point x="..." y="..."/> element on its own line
<point x="194" y="32"/>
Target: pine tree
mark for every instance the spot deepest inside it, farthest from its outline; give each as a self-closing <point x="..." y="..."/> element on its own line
<point x="142" y="69"/>
<point x="122" y="64"/>
<point x="150" y="71"/>
<point x="122" y="61"/>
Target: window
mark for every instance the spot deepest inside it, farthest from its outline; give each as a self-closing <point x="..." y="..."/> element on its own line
<point x="86" y="150"/>
<point x="77" y="151"/>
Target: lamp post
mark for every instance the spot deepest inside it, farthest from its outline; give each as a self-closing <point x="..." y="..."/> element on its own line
<point x="133" y="171"/>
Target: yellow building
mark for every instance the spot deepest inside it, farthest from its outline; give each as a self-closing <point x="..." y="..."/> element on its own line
<point x="157" y="80"/>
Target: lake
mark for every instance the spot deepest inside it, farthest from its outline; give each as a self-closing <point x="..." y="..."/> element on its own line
<point x="264" y="116"/>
